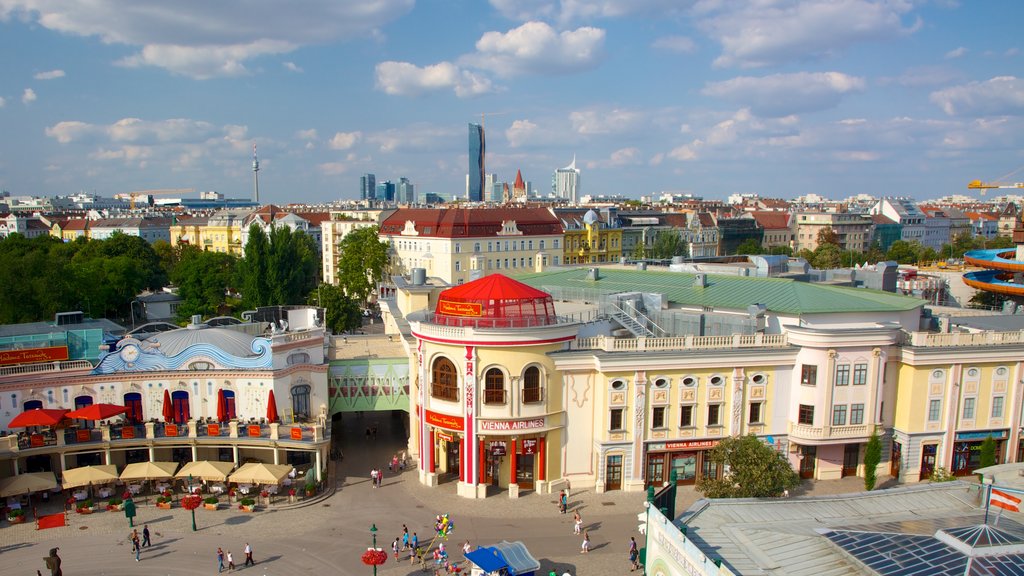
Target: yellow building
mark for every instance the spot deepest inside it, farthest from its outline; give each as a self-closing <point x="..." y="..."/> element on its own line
<point x="591" y="242"/>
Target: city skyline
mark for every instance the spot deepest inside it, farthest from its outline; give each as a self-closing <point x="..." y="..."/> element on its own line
<point x="778" y="98"/>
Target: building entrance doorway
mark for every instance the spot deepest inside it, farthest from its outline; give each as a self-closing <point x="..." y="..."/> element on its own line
<point x="808" y="456"/>
<point x="613" y="473"/>
<point x="895" y="459"/>
<point x="928" y="452"/>
<point x="524" y="471"/>
<point x="851" y="458"/>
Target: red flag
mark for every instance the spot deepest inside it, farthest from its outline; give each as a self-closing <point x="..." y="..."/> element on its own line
<point x="272" y="408"/>
<point x="1005" y="500"/>
<point x="168" y="407"/>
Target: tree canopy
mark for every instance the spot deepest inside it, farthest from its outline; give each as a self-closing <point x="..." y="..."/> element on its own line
<point x="279" y="269"/>
<point x="204" y="279"/>
<point x="750" y="247"/>
<point x="362" y="263"/>
<point x="341" y="312"/>
<point x="753" y="469"/>
<point x="669" y="243"/>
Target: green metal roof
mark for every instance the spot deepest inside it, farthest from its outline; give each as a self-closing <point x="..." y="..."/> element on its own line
<point x="727" y="292"/>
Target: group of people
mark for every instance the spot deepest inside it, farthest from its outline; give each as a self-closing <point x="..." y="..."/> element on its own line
<point x="376" y="477"/>
<point x="138" y="544"/>
<point x="223" y="557"/>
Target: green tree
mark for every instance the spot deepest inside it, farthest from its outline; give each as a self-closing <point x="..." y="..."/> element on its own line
<point x="872" y="456"/>
<point x="342" y="313"/>
<point x="904" y="252"/>
<point x="203" y="279"/>
<point x="750" y="247"/>
<point x="828" y="236"/>
<point x="638" y="250"/>
<point x="827" y="256"/>
<point x="669" y="243"/>
<point x="755" y="470"/>
<point x="362" y="263"/>
<point x="254" y="278"/>
<point x="941" y="474"/>
<point x="987" y="453"/>
<point x="281" y="268"/>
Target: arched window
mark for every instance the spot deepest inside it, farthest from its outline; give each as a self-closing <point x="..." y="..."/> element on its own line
<point x="494" y="387"/>
<point x="82" y="402"/>
<point x="531" y="385"/>
<point x="133" y="402"/>
<point x="445" y="382"/>
<point x="229" y="404"/>
<point x="300" y="402"/>
<point x="31" y="405"/>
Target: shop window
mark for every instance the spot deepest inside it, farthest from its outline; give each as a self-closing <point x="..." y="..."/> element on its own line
<point x="856" y="414"/>
<point x="494" y="387"/>
<point x="860" y="374"/>
<point x="809" y="375"/>
<point x="531" y="386"/>
<point x="715" y="415"/>
<point x="444" y="385"/>
<point x="686" y="416"/>
<point x="997" y="407"/>
<point x="842" y="375"/>
<point x="300" y="401"/>
<point x="615" y="422"/>
<point x="754" y="414"/>
<point x="934" y="410"/>
<point x="658" y="417"/>
<point x="839" y="415"/>
<point x="968" y="408"/>
<point x="806" y="415"/>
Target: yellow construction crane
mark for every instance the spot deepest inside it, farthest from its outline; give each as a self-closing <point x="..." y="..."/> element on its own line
<point x="133" y="196"/>
<point x="998" y="183"/>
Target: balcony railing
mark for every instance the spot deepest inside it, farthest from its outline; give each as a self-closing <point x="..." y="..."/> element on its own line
<point x="494" y="396"/>
<point x="609" y="344"/>
<point x="45" y="367"/>
<point x="805" y="432"/>
<point x="532" y="394"/>
<point x="445" y="391"/>
<point x="951" y="339"/>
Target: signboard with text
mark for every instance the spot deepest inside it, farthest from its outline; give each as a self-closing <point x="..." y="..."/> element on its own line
<point x="512" y="425"/>
<point x="170" y="430"/>
<point x="33" y="355"/>
<point x="296" y="433"/>
<point x="446" y="421"/>
<point x="529" y="446"/>
<point x="459" y="308"/>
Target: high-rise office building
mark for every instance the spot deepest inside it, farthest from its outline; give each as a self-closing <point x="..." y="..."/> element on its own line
<point x="406" y="191"/>
<point x="386" y="191"/>
<point x="566" y="182"/>
<point x="476" y="163"/>
<point x="367" y="187"/>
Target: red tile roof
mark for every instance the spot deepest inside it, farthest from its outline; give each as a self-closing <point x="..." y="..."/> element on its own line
<point x="471" y="222"/>
<point x="771" y="220"/>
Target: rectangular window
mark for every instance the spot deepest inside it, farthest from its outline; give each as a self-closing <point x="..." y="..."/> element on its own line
<point x="541" y="244"/>
<point x="842" y="374"/>
<point x="934" y="408"/>
<point x="860" y="374"/>
<point x="755" y="413"/>
<point x="809" y="375"/>
<point x="714" y="415"/>
<point x="555" y="242"/>
<point x="458" y="248"/>
<point x="458" y="266"/>
<point x="658" y="417"/>
<point x="997" y="407"/>
<point x="856" y="414"/>
<point x="530" y="244"/>
<point x="686" y="416"/>
<point x="490" y="248"/>
<point x="968" y="408"/>
<point x="839" y="415"/>
<point x="806" y="415"/>
<point x="616" y="419"/>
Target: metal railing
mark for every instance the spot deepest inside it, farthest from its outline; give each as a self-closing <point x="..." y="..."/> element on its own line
<point x="951" y="339"/>
<point x="445" y="391"/>
<point x="610" y="344"/>
<point x="45" y="367"/>
<point x="494" y="396"/>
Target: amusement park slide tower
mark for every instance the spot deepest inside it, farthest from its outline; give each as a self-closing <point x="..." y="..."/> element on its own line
<point x="1003" y="268"/>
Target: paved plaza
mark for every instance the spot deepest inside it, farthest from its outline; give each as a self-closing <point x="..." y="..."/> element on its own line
<point x="327" y="535"/>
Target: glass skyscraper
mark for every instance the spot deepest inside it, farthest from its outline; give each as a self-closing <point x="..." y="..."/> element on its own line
<point x="367" y="187"/>
<point x="476" y="163"/>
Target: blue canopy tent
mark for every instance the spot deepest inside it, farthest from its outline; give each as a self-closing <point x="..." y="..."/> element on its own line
<point x="511" y="558"/>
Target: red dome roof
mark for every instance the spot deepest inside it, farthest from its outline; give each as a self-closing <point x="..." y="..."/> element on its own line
<point x="495" y="301"/>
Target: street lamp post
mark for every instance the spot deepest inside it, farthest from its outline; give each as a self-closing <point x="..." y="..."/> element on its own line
<point x="373" y="532"/>
<point x="191" y="495"/>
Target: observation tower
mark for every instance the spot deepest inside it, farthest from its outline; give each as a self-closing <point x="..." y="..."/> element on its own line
<point x="1004" y="268"/>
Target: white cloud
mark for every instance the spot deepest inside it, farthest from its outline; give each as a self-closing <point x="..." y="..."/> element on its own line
<point x="857" y="155"/>
<point x="332" y="168"/>
<point x="1002" y="95"/>
<point x="2" y="102"/>
<point x="49" y="75"/>
<point x="207" y="39"/>
<point x="310" y="134"/>
<point x="956" y="53"/>
<point x="344" y="140"/>
<point x="526" y="9"/>
<point x="784" y="94"/>
<point x="599" y="121"/>
<point x="292" y="67"/>
<point x="28" y="96"/>
<point x="136" y="131"/>
<point x="925" y="76"/>
<point x="418" y="137"/>
<point x="678" y="44"/>
<point x="569" y="10"/>
<point x="758" y="34"/>
<point x="520" y="133"/>
<point x="537" y="48"/>
<point x="406" y="79"/>
<point x="621" y="157"/>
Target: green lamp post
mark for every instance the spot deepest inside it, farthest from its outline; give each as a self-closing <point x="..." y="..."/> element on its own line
<point x="373" y="532"/>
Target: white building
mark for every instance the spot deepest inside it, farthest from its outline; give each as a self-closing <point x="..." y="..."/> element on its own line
<point x="566" y="182"/>
<point x="906" y="213"/>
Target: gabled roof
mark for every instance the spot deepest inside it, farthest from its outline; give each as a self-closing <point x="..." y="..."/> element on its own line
<point x="771" y="220"/>
<point x="470" y="222"/>
<point x="881" y="219"/>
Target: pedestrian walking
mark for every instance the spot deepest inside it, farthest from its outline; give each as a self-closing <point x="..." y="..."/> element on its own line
<point x="231" y="561"/>
<point x="405" y="538"/>
<point x="585" y="547"/>
<point x="135" y="544"/>
<point x="466" y="548"/>
<point x="415" y="541"/>
<point x="248" y="555"/>
<point x="394" y="464"/>
<point x="634" y="555"/>
<point x="380" y="477"/>
<point x="577" y="521"/>
<point x="373" y="477"/>
<point x="220" y="560"/>
<point x="394" y="548"/>
<point x="563" y="501"/>
<point x="145" y="536"/>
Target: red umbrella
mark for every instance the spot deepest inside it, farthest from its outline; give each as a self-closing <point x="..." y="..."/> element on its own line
<point x="168" y="407"/>
<point x="38" y="417"/>
<point x="272" y="408"/>
<point x="97" y="412"/>
<point x="222" y="406"/>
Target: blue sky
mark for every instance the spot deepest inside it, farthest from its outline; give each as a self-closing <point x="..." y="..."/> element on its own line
<point x="712" y="97"/>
